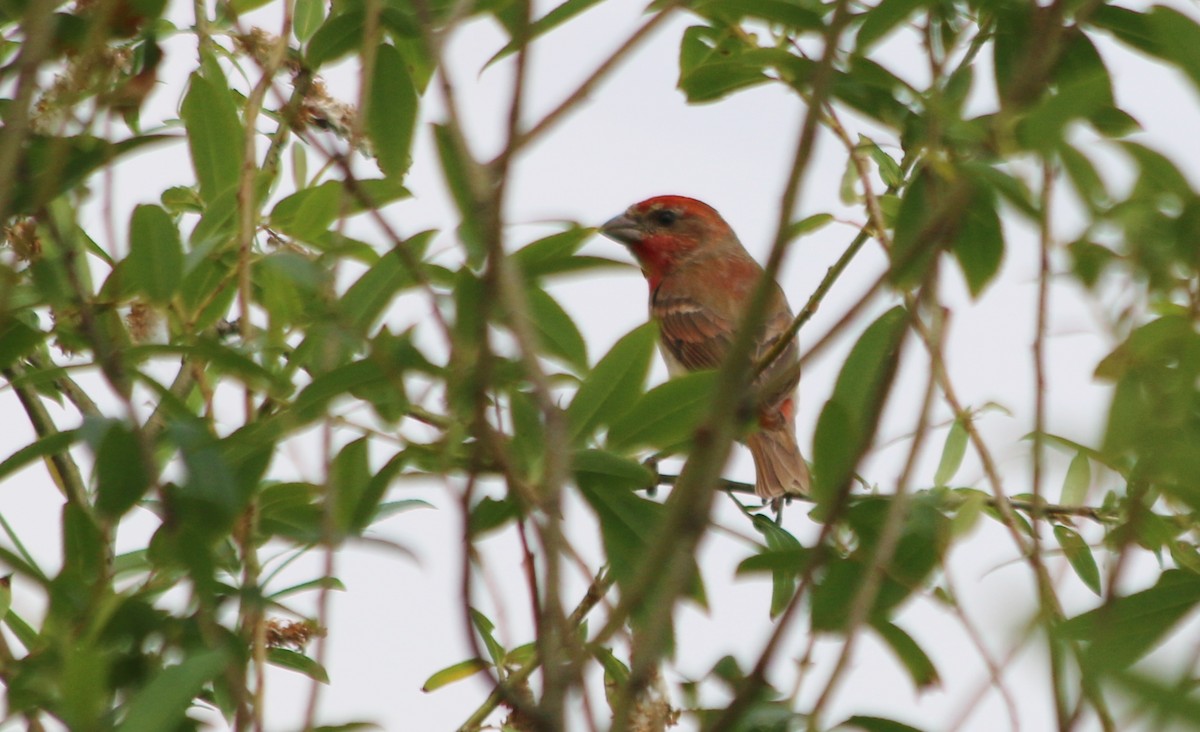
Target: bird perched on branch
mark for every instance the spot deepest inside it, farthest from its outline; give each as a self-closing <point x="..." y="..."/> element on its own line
<point x="701" y="281"/>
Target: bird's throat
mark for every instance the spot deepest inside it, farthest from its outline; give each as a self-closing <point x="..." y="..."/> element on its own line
<point x="658" y="255"/>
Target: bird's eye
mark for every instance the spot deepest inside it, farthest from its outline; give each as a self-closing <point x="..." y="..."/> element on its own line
<point x="665" y="217"/>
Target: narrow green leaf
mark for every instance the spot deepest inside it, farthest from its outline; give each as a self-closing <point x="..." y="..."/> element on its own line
<point x="808" y="225"/>
<point x="666" y="416"/>
<point x="16" y="340"/>
<point x="215" y="136"/>
<point x="348" y="478"/>
<point x="121" y="476"/>
<point x="551" y="20"/>
<point x="308" y="213"/>
<point x="41" y="448"/>
<point x="1178" y="38"/>
<point x="392" y="114"/>
<point x="1173" y="708"/>
<point x="163" y="703"/>
<point x="298" y="662"/>
<point x="1078" y="481"/>
<point x="875" y="724"/>
<point x="458" y="170"/>
<point x="1079" y="554"/>
<point x="614" y="383"/>
<point x="455" y="672"/>
<point x="920" y="668"/>
<point x="556" y="330"/>
<point x="337" y="37"/>
<point x="980" y="243"/>
<point x="307" y="17"/>
<point x="367" y="298"/>
<point x="1127" y="628"/>
<point x="880" y="20"/>
<point x="486" y="630"/>
<point x="848" y="420"/>
<point x="155" y="262"/>
<point x="952" y="454"/>
<point x="783" y="580"/>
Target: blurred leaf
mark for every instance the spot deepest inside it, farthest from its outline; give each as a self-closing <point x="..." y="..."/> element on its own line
<point x="491" y="514"/>
<point x="1178" y="39"/>
<point x="548" y="22"/>
<point x="1083" y="175"/>
<point x="848" y="420"/>
<point x="392" y="114"/>
<point x="667" y="416"/>
<point x="614" y="384"/>
<point x="952" y="453"/>
<point x="367" y="298"/>
<point x="712" y="64"/>
<point x="606" y="465"/>
<point x="17" y="339"/>
<point x="298" y="662"/>
<point x="920" y="668"/>
<point x="1078" y="480"/>
<point x="455" y="672"/>
<point x="163" y="703"/>
<point x="307" y="17"/>
<point x="783" y="579"/>
<point x="875" y="724"/>
<point x="1131" y="27"/>
<point x="791" y="15"/>
<point x="215" y="136"/>
<point x="1125" y="629"/>
<point x="881" y="19"/>
<point x="1175" y="705"/>
<point x="44" y="447"/>
<point x="338" y="36"/>
<point x="308" y="213"/>
<point x="557" y="331"/>
<point x="979" y="246"/>
<point x="55" y="165"/>
<point x="459" y="171"/>
<point x="155" y="262"/>
<point x="348" y="477"/>
<point x="808" y="225"/>
<point x="121" y="475"/>
<point x="1079" y="554"/>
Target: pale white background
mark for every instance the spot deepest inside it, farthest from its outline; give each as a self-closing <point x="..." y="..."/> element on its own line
<point x="401" y="617"/>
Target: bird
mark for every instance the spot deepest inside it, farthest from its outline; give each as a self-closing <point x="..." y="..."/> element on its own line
<point x="701" y="281"/>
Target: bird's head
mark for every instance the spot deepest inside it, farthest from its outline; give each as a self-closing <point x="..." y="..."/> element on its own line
<point x="666" y="230"/>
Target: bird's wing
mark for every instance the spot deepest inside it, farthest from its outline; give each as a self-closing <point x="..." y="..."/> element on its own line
<point x="695" y="335"/>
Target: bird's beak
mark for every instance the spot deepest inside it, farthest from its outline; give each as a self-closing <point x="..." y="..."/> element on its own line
<point x="622" y="229"/>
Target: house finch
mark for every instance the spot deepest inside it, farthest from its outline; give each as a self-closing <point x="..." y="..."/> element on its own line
<point x="701" y="279"/>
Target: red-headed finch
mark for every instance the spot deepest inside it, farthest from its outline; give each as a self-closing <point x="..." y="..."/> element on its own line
<point x="701" y="279"/>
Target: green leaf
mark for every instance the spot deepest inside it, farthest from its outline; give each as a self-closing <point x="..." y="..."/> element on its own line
<point x="367" y="298"/>
<point x="614" y="383"/>
<point x="920" y="668"/>
<point x="783" y="579"/>
<point x="848" y="420"/>
<point x="979" y="246"/>
<point x="551" y="20"/>
<point x="952" y="454"/>
<point x="808" y="225"/>
<point x="1078" y="481"/>
<point x="392" y="114"/>
<point x="17" y="339"/>
<point x="556" y="330"/>
<point x="155" y="262"/>
<point x="44" y="447"/>
<point x="553" y="254"/>
<point x="1173" y="706"/>
<point x="875" y="724"/>
<point x="298" y="662"/>
<point x="308" y="213"/>
<point x="1079" y="554"/>
<point x="610" y="466"/>
<point x="307" y="17"/>
<point x="163" y="703"/>
<point x="1083" y="175"/>
<point x="486" y="630"/>
<point x="629" y="524"/>
<point x="1178" y="38"/>
<point x="348" y="478"/>
<point x="215" y="137"/>
<point x="880" y="20"/>
<point x="1131" y="27"/>
<point x="456" y="672"/>
<point x="1128" y="627"/>
<point x="491" y="514"/>
<point x="459" y="170"/>
<point x="337" y="37"/>
<point x="666" y="416"/>
<point x="121" y="476"/>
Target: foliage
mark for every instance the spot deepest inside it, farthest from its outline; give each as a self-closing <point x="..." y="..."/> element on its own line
<point x="246" y="314"/>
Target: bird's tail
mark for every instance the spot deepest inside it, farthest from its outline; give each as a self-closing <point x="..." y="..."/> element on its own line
<point x="779" y="469"/>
